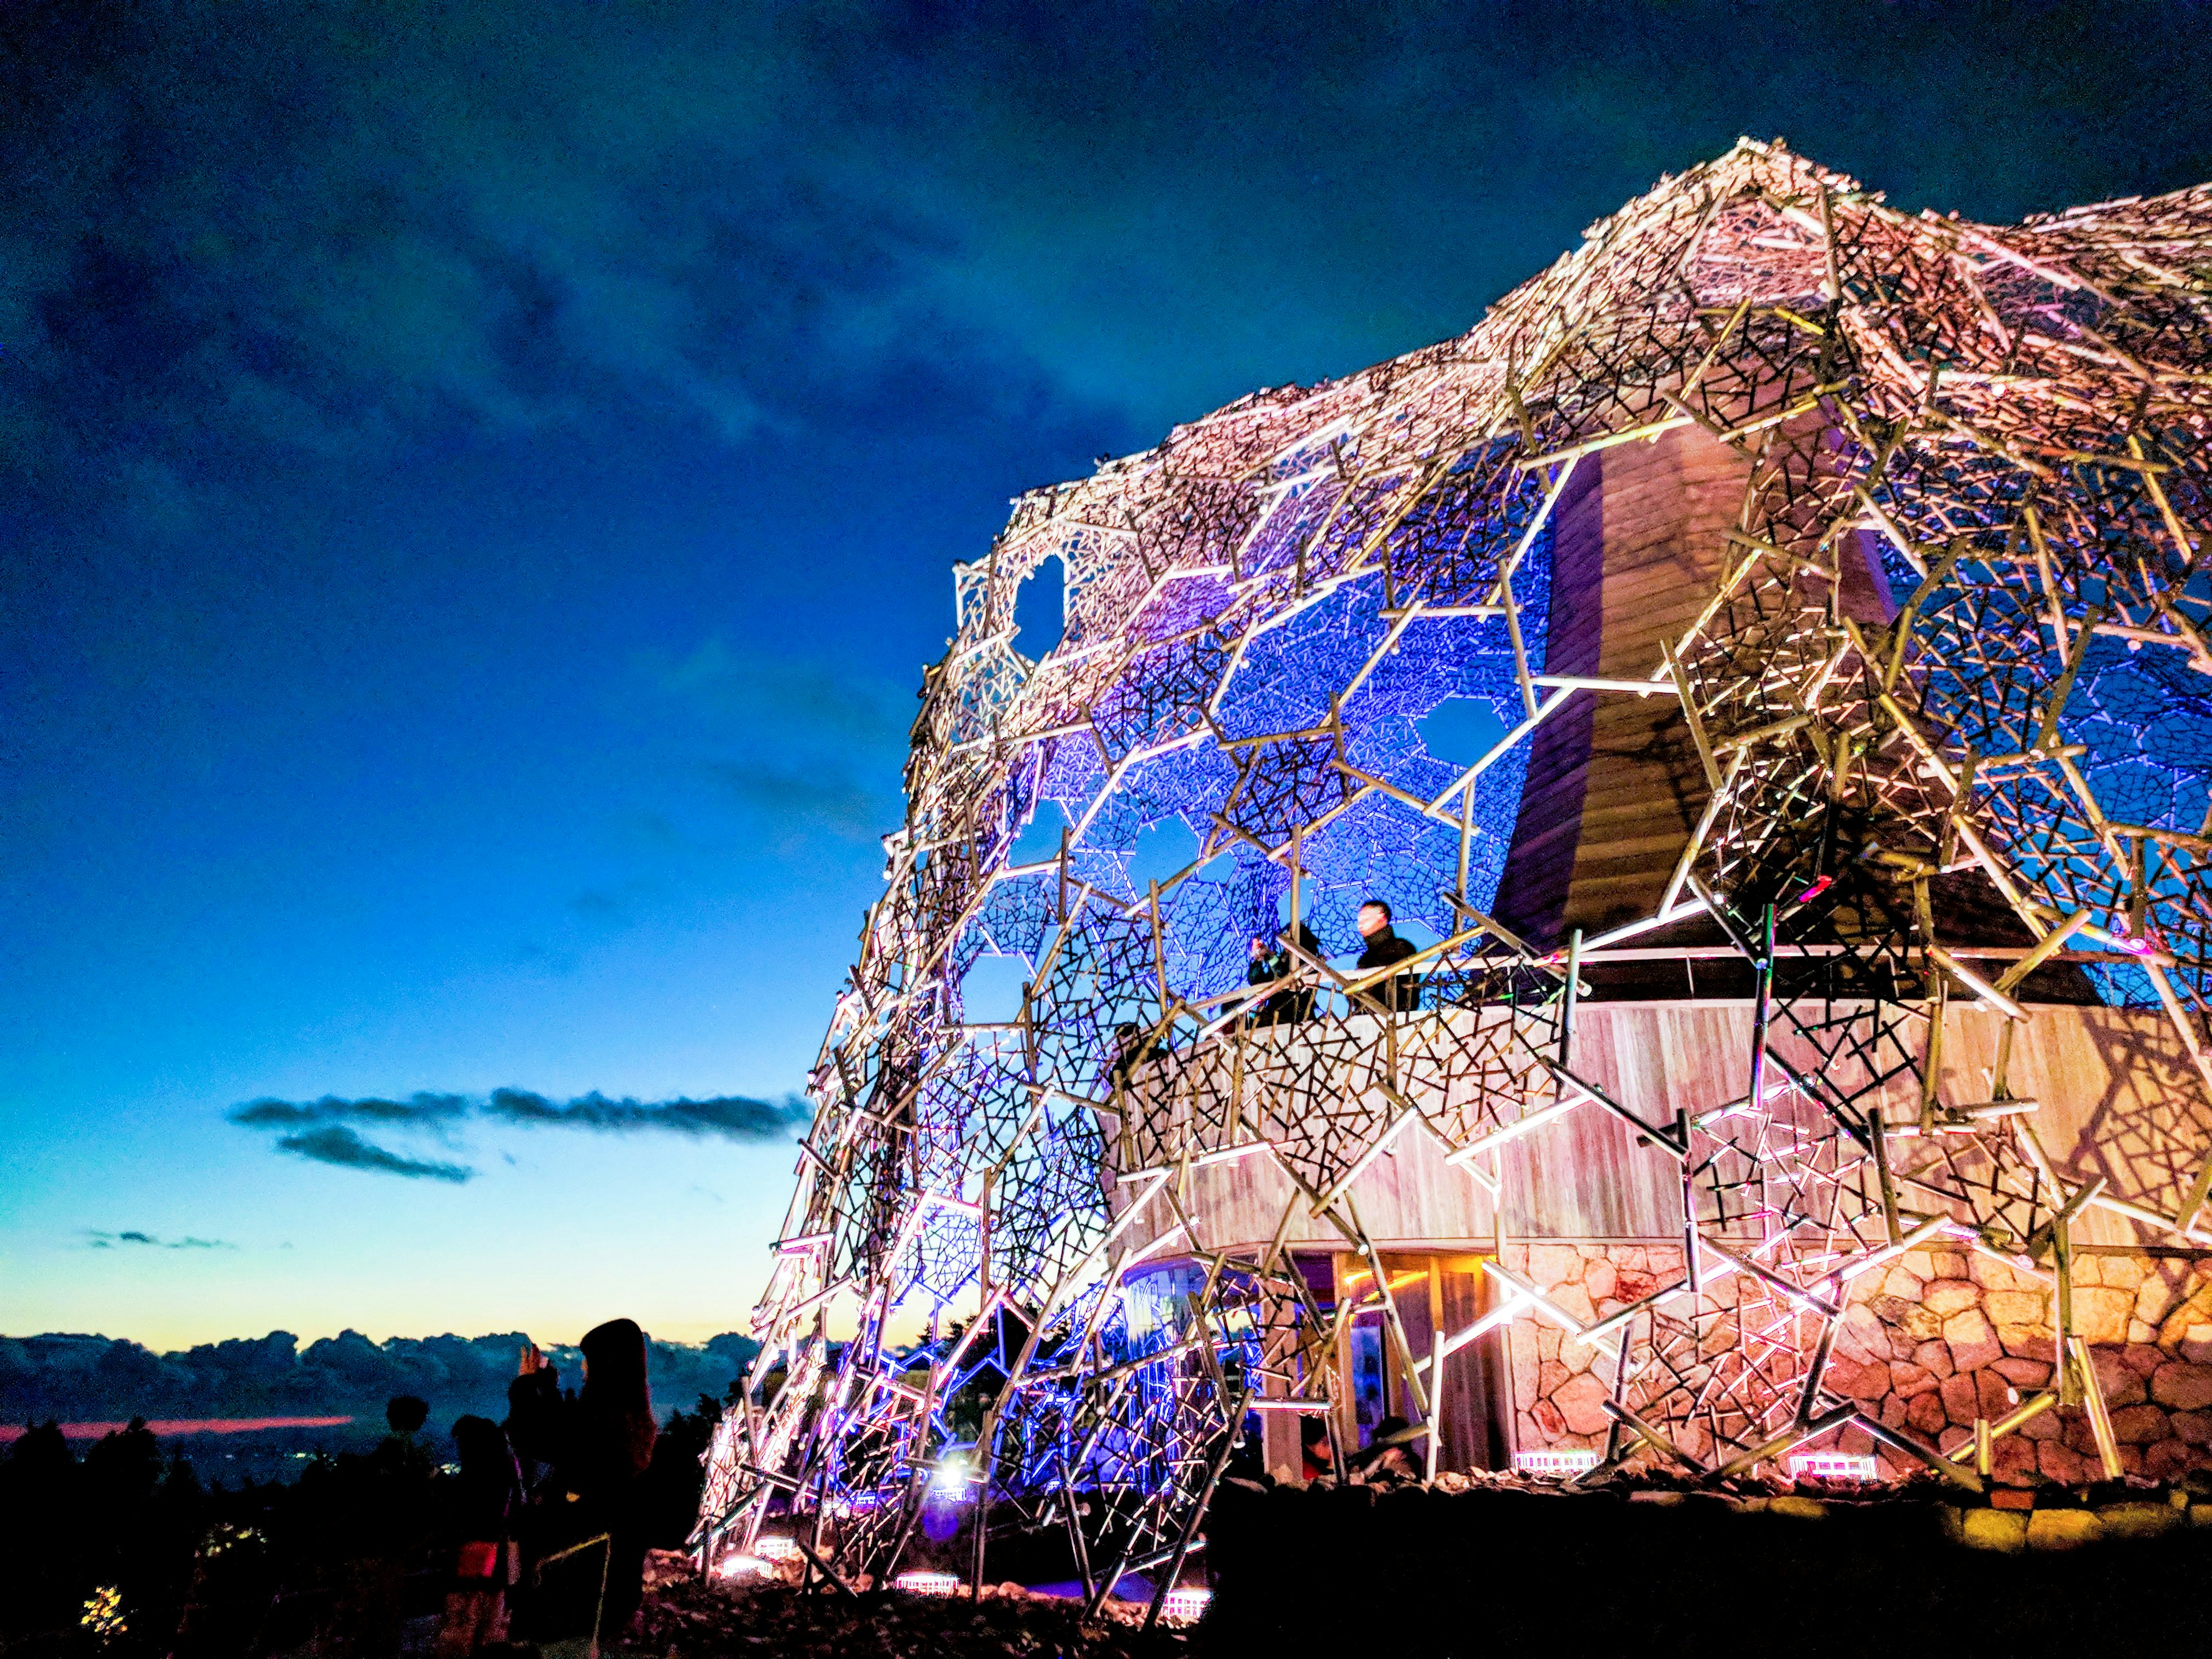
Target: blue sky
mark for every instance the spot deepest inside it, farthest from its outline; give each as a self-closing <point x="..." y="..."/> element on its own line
<point x="478" y="484"/>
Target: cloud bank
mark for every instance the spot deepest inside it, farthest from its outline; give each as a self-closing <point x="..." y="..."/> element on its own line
<point x="81" y="1378"/>
<point x="322" y="1131"/>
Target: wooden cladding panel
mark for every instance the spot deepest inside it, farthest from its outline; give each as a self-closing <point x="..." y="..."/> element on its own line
<point x="2117" y="1097"/>
<point x="1614" y="784"/>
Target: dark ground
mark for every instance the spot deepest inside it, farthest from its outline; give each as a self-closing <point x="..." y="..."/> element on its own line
<point x="353" y="1560"/>
<point x="691" y="1620"/>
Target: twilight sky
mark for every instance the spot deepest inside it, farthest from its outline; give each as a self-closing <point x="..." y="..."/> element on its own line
<point x="477" y="488"/>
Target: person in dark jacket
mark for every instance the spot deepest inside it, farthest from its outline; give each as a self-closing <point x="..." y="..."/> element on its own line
<point x="533" y="1418"/>
<point x="1401" y="992"/>
<point x="487" y="1503"/>
<point x="596" y="1493"/>
<point x="1388" y="1460"/>
<point x="1294" y="1000"/>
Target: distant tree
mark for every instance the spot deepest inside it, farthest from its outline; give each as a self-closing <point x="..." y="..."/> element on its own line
<point x="677" y="1473"/>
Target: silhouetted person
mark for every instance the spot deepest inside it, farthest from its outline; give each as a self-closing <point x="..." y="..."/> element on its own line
<point x="1294" y="1001"/>
<point x="1131" y="1051"/>
<point x="1388" y="1460"/>
<point x="1401" y="992"/>
<point x="399" y="1454"/>
<point x="487" y="1503"/>
<point x="533" y="1418"/>
<point x="1317" y="1458"/>
<point x="605" y="1446"/>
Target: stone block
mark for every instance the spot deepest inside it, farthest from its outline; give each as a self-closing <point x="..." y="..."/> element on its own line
<point x="2101" y="1314"/>
<point x="1573" y="1300"/>
<point x="1548" y="1341"/>
<point x="1551" y="1264"/>
<point x="2182" y="1386"/>
<point x="1991" y="1274"/>
<point x="2142" y="1330"/>
<point x="2156" y="1299"/>
<point x="2121" y="1385"/>
<point x="1908" y="1380"/>
<point x="1995" y="1393"/>
<point x="1920" y="1264"/>
<point x="2138" y="1425"/>
<point x="2022" y="1374"/>
<point x="1947" y="1296"/>
<point x="2004" y="1530"/>
<point x="2194" y="1308"/>
<point x="2046" y="1424"/>
<point x="2027" y="1342"/>
<point x="1857" y="1381"/>
<point x="2088" y="1270"/>
<point x="2016" y="1308"/>
<point x="2062" y="1529"/>
<point x="1973" y="1343"/>
<point x="2142" y="1358"/>
<point x="2168" y="1459"/>
<point x="1634" y="1283"/>
<point x="1905" y="1287"/>
<point x="1926" y="1414"/>
<point x="1935" y="1357"/>
<point x="1581" y="1401"/>
<point x="1550" y="1425"/>
<point x="1962" y="1402"/>
<point x="2012" y="1461"/>
<point x="1952" y="1438"/>
<point x="1948" y="1264"/>
<point x="1525" y="1365"/>
<point x="1549" y="1376"/>
<point x="2125" y="1272"/>
<point x="2195" y="1427"/>
<point x="1892" y="1412"/>
<point x="2059" y="1463"/>
<point x="1598" y="1278"/>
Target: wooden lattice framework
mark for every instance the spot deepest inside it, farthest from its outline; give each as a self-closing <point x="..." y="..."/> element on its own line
<point x="2016" y="416"/>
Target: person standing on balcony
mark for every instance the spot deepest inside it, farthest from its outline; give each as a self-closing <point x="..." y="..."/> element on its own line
<point x="1401" y="992"/>
<point x="1293" y="1000"/>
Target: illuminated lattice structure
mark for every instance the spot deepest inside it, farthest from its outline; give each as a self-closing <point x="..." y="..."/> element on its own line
<point x="1937" y="706"/>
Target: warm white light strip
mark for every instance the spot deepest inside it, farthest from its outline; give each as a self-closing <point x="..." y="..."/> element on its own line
<point x="1833" y="1466"/>
<point x="1562" y="1461"/>
<point x="1185" y="1606"/>
<point x="928" y="1583"/>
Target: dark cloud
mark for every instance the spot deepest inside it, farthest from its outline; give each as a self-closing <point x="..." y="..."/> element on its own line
<point x="321" y="1129"/>
<point x="336" y="1144"/>
<point x="105" y="1241"/>
<point x="419" y="1109"/>
<point x="734" y="1117"/>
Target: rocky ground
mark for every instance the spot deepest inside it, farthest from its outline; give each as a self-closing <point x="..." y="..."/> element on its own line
<point x="686" y="1618"/>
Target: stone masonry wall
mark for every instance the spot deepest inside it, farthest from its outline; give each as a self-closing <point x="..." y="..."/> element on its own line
<point x="1942" y="1336"/>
